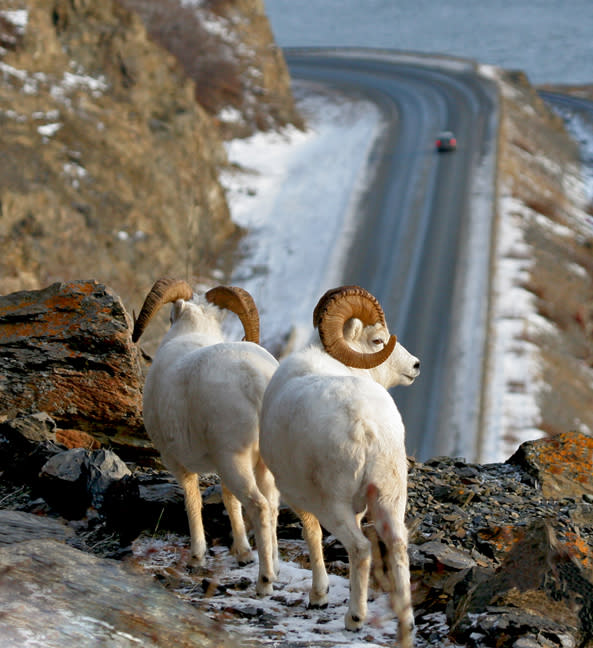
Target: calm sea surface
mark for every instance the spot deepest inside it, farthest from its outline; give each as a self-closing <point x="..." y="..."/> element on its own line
<point x="550" y="40"/>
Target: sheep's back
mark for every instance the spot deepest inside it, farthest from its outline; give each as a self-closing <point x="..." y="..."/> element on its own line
<point x="203" y="401"/>
<point x="320" y="434"/>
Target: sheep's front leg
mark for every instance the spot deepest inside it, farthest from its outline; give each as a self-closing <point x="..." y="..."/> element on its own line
<point x="193" y="507"/>
<point x="320" y="583"/>
<point x="240" y="547"/>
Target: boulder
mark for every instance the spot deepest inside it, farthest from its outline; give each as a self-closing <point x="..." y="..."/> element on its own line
<point x="561" y="465"/>
<point x="54" y="595"/>
<point x="73" y="480"/>
<point x="541" y="587"/>
<point x="67" y="350"/>
<point x="505" y="549"/>
<point x="17" y="526"/>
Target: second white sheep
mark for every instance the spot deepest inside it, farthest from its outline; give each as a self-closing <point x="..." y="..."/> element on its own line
<point x="201" y="403"/>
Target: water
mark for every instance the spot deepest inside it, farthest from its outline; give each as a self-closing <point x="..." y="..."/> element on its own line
<point x="550" y="40"/>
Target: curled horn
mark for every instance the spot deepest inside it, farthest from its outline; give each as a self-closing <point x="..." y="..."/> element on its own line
<point x="334" y="309"/>
<point x="324" y="299"/>
<point x="240" y="302"/>
<point x="164" y="291"/>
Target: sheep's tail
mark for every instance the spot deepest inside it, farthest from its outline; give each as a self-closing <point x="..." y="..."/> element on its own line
<point x="393" y="572"/>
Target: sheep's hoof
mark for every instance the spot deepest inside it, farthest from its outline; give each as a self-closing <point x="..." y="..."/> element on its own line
<point x="318" y="601"/>
<point x="353" y="622"/>
<point x="264" y="588"/>
<point x="317" y="606"/>
<point x="407" y="632"/>
<point x="242" y="556"/>
<point x="195" y="563"/>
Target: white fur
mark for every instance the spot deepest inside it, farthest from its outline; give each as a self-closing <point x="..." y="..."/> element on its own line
<point x="328" y="432"/>
<point x="201" y="410"/>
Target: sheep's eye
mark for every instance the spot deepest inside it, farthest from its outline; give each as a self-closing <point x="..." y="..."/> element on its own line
<point x="377" y="341"/>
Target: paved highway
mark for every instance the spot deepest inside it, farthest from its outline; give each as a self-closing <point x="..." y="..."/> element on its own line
<point x="412" y="248"/>
<point x="572" y="103"/>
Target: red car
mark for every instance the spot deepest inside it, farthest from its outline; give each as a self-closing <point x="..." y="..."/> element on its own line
<point x="446" y="141"/>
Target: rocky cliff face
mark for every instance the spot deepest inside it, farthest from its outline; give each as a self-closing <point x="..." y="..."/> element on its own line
<point x="110" y="166"/>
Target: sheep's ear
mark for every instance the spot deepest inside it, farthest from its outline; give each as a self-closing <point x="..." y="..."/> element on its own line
<point x="353" y="329"/>
<point x="176" y="310"/>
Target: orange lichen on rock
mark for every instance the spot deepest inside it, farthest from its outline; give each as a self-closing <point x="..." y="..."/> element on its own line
<point x="67" y="350"/>
<point x="77" y="439"/>
<point x="561" y="464"/>
<point x="575" y="547"/>
<point x="500" y="539"/>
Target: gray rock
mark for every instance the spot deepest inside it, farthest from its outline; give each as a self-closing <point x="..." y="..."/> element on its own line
<point x="75" y="479"/>
<point x="52" y="595"/>
<point x="18" y="526"/>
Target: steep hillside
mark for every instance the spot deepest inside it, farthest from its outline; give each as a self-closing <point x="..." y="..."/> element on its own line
<point x="110" y="166"/>
<point x="227" y="48"/>
<point x="542" y="336"/>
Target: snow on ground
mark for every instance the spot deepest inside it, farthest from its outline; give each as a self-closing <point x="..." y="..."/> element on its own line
<point x="297" y="197"/>
<point x="282" y="618"/>
<point x="514" y="372"/>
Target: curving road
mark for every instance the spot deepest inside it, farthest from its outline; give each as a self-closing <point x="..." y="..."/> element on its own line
<point x="416" y="242"/>
<point x="571" y="103"/>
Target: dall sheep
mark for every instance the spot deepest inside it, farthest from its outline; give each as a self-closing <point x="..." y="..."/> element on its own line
<point x="201" y="405"/>
<point x="334" y="440"/>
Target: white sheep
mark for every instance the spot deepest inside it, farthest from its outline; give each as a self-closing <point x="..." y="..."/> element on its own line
<point x="334" y="440"/>
<point x="201" y="405"/>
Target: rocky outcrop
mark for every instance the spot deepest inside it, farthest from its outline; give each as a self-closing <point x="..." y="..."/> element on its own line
<point x="67" y="351"/>
<point x="504" y="551"/>
<point x="69" y="598"/>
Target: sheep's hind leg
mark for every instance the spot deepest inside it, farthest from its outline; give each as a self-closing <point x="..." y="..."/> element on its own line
<point x="240" y="548"/>
<point x="345" y="527"/>
<point x="318" y="597"/>
<point x="390" y="525"/>
<point x="395" y="537"/>
<point x="240" y="479"/>
<point x="267" y="485"/>
<point x="193" y="507"/>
